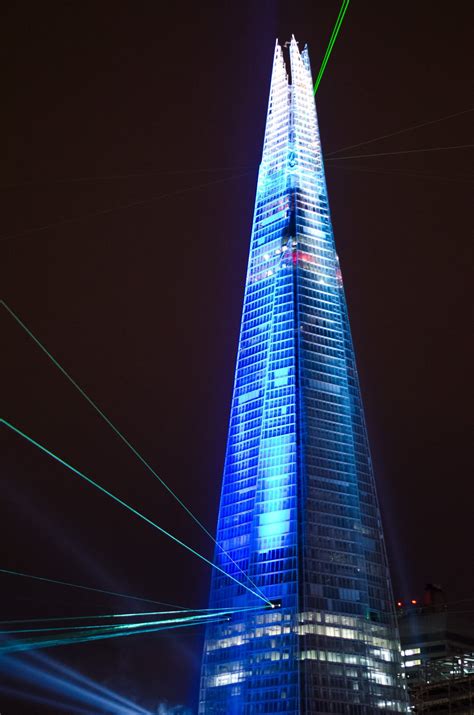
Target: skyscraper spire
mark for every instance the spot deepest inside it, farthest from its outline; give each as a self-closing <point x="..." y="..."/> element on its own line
<point x="298" y="509"/>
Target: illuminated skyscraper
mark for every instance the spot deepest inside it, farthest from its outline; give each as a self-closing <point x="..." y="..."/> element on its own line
<point x="298" y="511"/>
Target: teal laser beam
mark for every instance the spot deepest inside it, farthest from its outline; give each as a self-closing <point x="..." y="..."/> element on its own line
<point x="331" y="42"/>
<point x="102" y="632"/>
<point x="130" y="446"/>
<point x="50" y="643"/>
<point x="130" y="508"/>
<point x="59" y="619"/>
<point x="122" y="626"/>
<point x="117" y="615"/>
<point x="9" y="572"/>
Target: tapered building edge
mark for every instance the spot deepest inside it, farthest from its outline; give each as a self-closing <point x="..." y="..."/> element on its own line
<point x="298" y="513"/>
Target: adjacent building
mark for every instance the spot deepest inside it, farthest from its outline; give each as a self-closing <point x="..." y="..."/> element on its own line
<point x="437" y="640"/>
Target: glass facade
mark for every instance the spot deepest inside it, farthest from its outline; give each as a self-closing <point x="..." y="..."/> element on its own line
<point x="298" y="512"/>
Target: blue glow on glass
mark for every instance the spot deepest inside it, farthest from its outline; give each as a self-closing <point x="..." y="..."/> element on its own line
<point x="298" y="509"/>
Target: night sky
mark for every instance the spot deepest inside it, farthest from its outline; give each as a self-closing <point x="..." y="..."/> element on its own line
<point x="131" y="139"/>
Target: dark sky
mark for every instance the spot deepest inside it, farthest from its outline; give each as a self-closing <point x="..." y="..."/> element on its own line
<point x="131" y="136"/>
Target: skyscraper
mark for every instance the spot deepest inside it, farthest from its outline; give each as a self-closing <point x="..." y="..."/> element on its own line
<point x="298" y="512"/>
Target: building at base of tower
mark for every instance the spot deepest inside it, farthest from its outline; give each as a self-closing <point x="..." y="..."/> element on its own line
<point x="437" y="641"/>
<point x="299" y="519"/>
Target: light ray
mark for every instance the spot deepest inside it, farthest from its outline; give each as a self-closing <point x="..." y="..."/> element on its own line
<point x="403" y="151"/>
<point x="127" y="506"/>
<point x="123" y="626"/>
<point x="103" y="700"/>
<point x="181" y="611"/>
<point x="130" y="446"/>
<point x="332" y="40"/>
<point x="401" y="172"/>
<point x="10" y="572"/>
<point x="34" y="643"/>
<point x="43" y="700"/>
<point x="400" y="131"/>
<point x="121" y="207"/>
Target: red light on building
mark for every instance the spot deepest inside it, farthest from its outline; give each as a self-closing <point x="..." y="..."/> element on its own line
<point x="414" y="601"/>
<point x="399" y="604"/>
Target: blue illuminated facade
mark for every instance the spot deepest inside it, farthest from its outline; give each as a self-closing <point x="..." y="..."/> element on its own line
<point x="298" y="511"/>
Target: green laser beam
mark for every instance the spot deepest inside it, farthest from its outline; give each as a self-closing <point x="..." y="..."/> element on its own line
<point x="332" y="37"/>
<point x="323" y="66"/>
<point x="330" y="46"/>
<point x="9" y="572"/>
<point x="124" y="439"/>
<point x="130" y="508"/>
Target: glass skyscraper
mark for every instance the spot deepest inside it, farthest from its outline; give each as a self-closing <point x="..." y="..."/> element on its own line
<point x="298" y="512"/>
